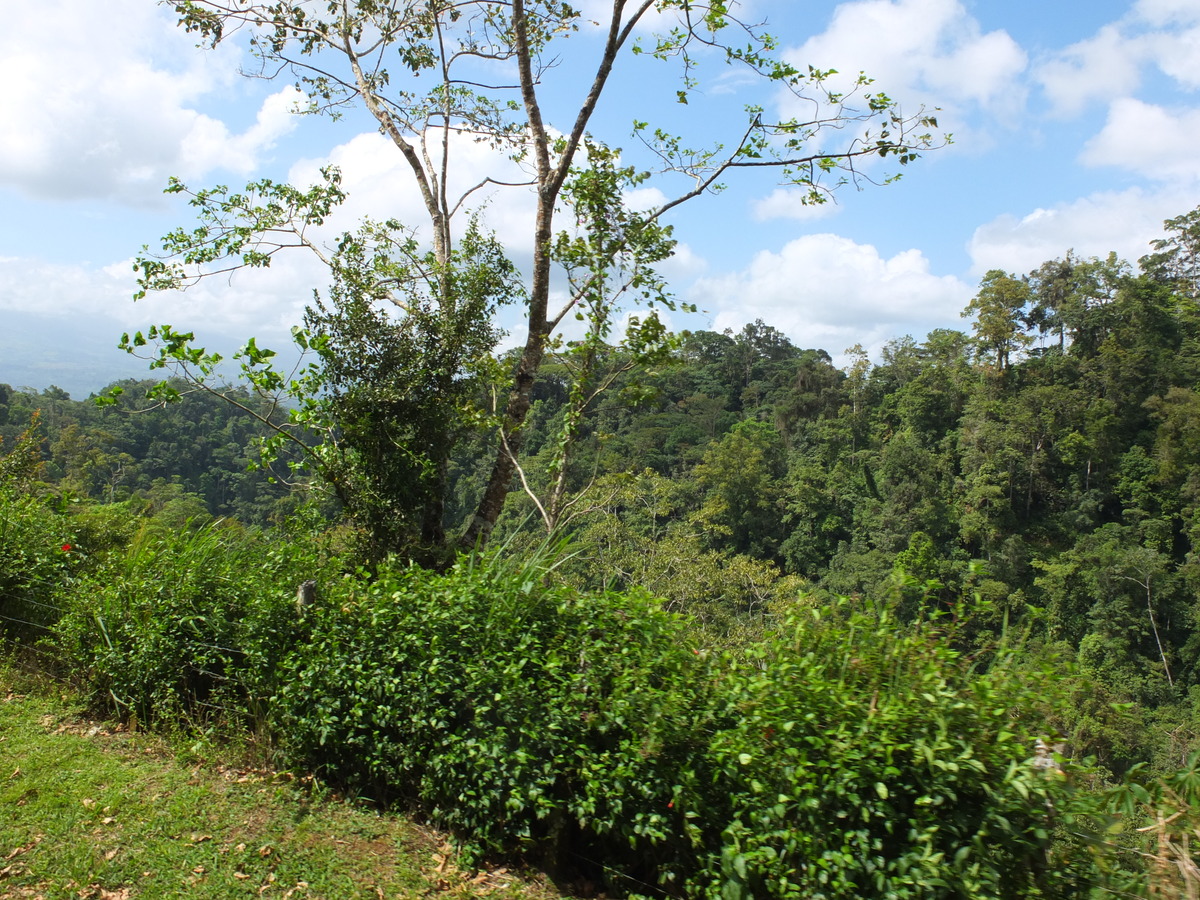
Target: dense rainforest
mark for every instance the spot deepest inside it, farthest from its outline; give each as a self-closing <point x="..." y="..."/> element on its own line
<point x="1030" y="482"/>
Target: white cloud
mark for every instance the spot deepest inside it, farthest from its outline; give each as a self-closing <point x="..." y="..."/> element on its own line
<point x="921" y="51"/>
<point x="1167" y="12"/>
<point x="683" y="265"/>
<point x="63" y="322"/>
<point x="645" y="198"/>
<point x="61" y="291"/>
<point x="264" y="303"/>
<point x="100" y="100"/>
<point x="1123" y="222"/>
<point x="1104" y="66"/>
<point x="209" y="144"/>
<point x="784" y="203"/>
<point x="1108" y="66"/>
<point x="380" y="184"/>
<point x="827" y="291"/>
<point x="1149" y="140"/>
<point x="1177" y="53"/>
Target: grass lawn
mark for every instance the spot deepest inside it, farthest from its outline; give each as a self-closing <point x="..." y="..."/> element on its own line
<point x="89" y="810"/>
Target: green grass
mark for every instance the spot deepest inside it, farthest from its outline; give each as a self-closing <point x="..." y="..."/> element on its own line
<point x="89" y="810"/>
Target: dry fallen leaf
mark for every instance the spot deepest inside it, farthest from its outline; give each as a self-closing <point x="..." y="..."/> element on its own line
<point x="19" y="850"/>
<point x="111" y="854"/>
<point x="98" y="892"/>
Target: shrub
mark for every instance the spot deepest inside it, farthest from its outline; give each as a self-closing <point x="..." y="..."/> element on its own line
<point x="186" y="623"/>
<point x="847" y="756"/>
<point x="38" y="555"/>
<point x="514" y="712"/>
<point x="844" y="755"/>
<point x="870" y="760"/>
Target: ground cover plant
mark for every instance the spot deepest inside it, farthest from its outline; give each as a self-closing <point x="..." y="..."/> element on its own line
<point x="89" y="812"/>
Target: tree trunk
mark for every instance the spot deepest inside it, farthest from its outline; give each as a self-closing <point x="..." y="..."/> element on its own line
<point x="491" y="504"/>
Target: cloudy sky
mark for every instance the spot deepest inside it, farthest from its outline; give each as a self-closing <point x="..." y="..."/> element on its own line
<point x="1075" y="127"/>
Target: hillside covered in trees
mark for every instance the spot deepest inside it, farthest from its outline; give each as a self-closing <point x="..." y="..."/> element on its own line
<point x="185" y="460"/>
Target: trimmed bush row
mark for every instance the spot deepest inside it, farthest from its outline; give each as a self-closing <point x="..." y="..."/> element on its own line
<point x="843" y="756"/>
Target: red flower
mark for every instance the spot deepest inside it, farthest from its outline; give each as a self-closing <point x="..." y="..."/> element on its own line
<point x="66" y="548"/>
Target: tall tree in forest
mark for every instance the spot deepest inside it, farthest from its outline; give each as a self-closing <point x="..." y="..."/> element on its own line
<point x="1059" y="296"/>
<point x="435" y="74"/>
<point x="1176" y="257"/>
<point x="999" y="309"/>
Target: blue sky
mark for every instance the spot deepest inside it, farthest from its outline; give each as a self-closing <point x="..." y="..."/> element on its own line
<point x="1075" y="127"/>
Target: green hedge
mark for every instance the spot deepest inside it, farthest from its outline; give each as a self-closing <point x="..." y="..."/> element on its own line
<point x="846" y="755"/>
<point x="187" y="626"/>
<point x="520" y="715"/>
<point x="871" y="760"/>
<point x="38" y="557"/>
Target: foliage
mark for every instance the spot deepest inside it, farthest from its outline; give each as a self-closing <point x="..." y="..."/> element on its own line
<point x="843" y="754"/>
<point x="395" y="391"/>
<point x="1046" y="467"/>
<point x="846" y="756"/>
<point x="195" y="451"/>
<point x="39" y="555"/>
<point x="187" y="624"/>
<point x="868" y="759"/>
<point x="514" y="712"/>
<point x="38" y="550"/>
<point x="1176" y="259"/>
<point x="999" y="310"/>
